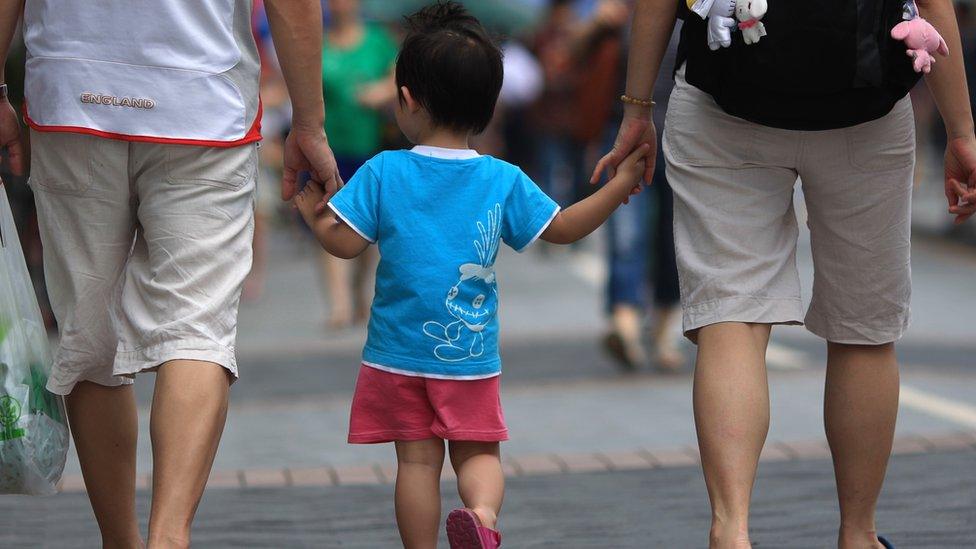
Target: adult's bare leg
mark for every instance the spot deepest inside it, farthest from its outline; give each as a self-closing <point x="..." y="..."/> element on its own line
<point x="860" y="409"/>
<point x="105" y="426"/>
<point x="188" y="414"/>
<point x="731" y="399"/>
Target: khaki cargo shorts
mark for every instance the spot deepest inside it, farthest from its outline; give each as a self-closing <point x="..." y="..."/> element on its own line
<point x="736" y="231"/>
<point x="146" y="248"/>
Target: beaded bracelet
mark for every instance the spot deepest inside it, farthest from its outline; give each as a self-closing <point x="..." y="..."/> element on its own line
<point x="646" y="103"/>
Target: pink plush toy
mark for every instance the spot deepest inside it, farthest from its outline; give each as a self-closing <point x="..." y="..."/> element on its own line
<point x="922" y="40"/>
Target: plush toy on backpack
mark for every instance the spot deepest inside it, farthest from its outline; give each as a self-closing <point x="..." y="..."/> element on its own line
<point x="750" y="14"/>
<point x="721" y="16"/>
<point x="921" y="38"/>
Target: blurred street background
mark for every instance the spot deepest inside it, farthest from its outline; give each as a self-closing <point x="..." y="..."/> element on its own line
<point x="603" y="450"/>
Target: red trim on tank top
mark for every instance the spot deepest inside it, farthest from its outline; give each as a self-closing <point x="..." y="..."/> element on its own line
<point x="254" y="134"/>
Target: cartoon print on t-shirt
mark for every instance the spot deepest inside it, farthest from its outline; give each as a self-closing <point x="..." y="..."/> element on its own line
<point x="472" y="301"/>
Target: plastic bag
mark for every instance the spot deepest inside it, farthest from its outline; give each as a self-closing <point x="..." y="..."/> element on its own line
<point x="33" y="426"/>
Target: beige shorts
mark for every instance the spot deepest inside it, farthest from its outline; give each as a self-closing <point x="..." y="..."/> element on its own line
<point x="736" y="232"/>
<point x="146" y="248"/>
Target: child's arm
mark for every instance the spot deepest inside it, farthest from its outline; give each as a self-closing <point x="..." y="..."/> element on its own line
<point x="338" y="238"/>
<point x="582" y="218"/>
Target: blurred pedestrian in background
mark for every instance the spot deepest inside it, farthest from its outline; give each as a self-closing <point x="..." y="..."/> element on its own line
<point x="276" y="113"/>
<point x="555" y="116"/>
<point x="641" y="262"/>
<point x="508" y="136"/>
<point x="357" y="79"/>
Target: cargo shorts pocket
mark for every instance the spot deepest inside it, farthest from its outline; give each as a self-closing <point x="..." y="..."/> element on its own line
<point x="699" y="133"/>
<point x="224" y="167"/>
<point x="61" y="162"/>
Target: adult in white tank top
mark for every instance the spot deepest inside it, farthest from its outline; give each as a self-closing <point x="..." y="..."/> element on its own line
<point x="144" y="118"/>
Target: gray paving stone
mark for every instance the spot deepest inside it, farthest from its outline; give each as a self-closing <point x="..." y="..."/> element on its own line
<point x="929" y="502"/>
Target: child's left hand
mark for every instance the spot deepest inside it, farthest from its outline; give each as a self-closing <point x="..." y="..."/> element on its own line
<point x="308" y="200"/>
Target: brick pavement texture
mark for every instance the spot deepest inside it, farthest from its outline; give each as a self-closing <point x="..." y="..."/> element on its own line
<point x="929" y="502"/>
<point x="545" y="464"/>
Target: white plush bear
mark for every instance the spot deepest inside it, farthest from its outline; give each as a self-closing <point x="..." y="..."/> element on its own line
<point x="750" y="14"/>
<point x="721" y="20"/>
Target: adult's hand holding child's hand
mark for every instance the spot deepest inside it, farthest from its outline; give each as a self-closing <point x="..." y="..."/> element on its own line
<point x="636" y="129"/>
<point x="307" y="149"/>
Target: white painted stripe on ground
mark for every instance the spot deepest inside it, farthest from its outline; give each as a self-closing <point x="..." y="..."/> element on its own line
<point x="938" y="406"/>
<point x="591" y="268"/>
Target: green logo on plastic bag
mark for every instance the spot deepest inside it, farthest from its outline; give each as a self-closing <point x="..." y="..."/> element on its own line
<point x="9" y="415"/>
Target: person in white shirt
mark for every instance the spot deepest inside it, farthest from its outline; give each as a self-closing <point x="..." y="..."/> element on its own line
<point x="144" y="119"/>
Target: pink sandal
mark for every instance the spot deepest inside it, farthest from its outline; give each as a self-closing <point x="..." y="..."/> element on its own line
<point x="464" y="531"/>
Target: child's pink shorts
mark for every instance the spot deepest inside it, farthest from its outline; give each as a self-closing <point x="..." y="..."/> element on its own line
<point x="391" y="407"/>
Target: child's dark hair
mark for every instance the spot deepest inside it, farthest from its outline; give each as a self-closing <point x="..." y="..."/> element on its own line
<point x="451" y="66"/>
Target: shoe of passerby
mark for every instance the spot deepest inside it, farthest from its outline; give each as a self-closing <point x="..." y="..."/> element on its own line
<point x="623" y="343"/>
<point x="667" y="356"/>
<point x="669" y="360"/>
<point x="886" y="543"/>
<point x="617" y="348"/>
<point x="464" y="531"/>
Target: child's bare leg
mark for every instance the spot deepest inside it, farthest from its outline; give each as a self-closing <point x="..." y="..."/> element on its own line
<point x="481" y="482"/>
<point x="418" y="492"/>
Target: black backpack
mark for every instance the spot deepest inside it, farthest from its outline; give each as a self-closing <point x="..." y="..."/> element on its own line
<point x="822" y="65"/>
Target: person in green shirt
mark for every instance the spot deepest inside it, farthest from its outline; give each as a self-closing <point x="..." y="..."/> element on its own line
<point x="357" y="80"/>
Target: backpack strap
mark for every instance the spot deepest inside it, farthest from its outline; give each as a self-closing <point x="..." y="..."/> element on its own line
<point x="870" y="18"/>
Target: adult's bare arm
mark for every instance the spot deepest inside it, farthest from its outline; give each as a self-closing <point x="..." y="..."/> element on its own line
<point x="653" y="23"/>
<point x="296" y="27"/>
<point x="948" y="84"/>
<point x="9" y="122"/>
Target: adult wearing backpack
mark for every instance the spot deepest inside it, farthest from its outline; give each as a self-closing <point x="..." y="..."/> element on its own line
<point x="144" y="120"/>
<point x="821" y="97"/>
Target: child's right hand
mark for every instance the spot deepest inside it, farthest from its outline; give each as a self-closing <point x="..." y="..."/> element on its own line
<point x="339" y="239"/>
<point x="306" y="201"/>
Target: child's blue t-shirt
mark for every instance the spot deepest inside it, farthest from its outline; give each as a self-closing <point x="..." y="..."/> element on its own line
<point x="438" y="216"/>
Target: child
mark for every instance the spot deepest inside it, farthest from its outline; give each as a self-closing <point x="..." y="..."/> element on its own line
<point x="438" y="212"/>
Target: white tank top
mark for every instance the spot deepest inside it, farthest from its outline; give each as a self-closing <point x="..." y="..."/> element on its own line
<point x="171" y="71"/>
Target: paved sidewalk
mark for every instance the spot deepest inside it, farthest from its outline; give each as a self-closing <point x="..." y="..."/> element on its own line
<point x="598" y="458"/>
<point x="929" y="502"/>
<point x="550" y="463"/>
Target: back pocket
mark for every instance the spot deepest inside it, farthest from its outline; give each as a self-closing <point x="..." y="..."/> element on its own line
<point x="699" y="133"/>
<point x="224" y="167"/>
<point x="61" y="162"/>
